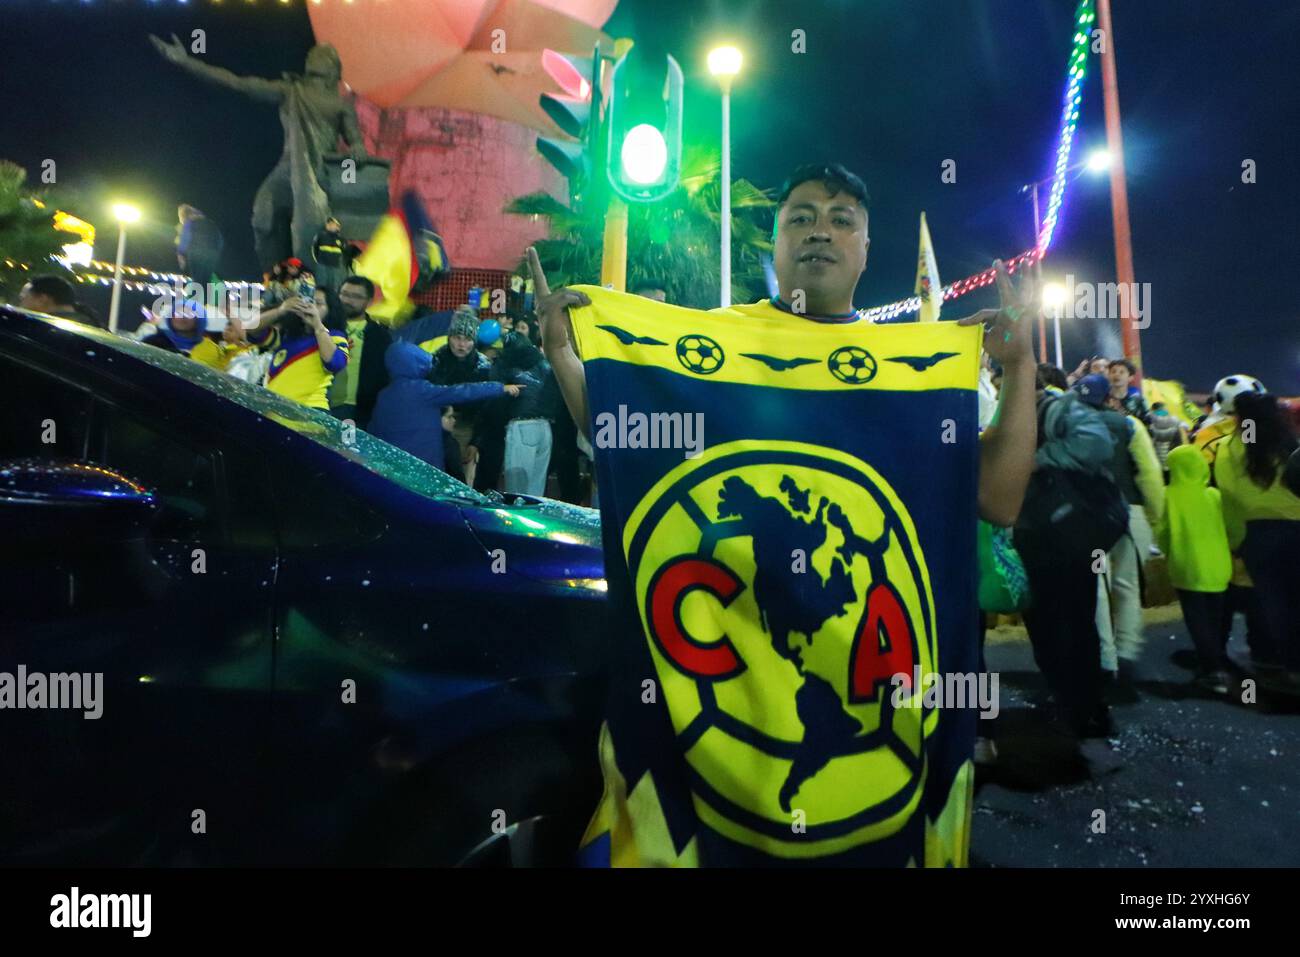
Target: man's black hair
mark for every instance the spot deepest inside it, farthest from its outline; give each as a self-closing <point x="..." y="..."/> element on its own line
<point x="361" y="281"/>
<point x="56" y="287"/>
<point x="1126" y="363"/>
<point x="1049" y="374"/>
<point x="834" y="176"/>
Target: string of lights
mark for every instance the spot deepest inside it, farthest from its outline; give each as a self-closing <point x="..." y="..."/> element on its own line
<point x="1084" y="15"/>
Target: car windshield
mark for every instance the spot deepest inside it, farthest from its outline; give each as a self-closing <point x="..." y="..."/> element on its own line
<point x="352" y="443"/>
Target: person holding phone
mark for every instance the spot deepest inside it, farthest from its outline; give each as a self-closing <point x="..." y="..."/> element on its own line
<point x="305" y="353"/>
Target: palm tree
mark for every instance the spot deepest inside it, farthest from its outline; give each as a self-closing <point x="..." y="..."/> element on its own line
<point x="27" y="233"/>
<point x="674" y="242"/>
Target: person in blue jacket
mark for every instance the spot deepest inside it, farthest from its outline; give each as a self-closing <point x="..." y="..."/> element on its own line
<point x="408" y="411"/>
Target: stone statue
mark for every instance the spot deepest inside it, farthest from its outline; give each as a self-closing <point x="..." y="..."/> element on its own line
<point x="292" y="203"/>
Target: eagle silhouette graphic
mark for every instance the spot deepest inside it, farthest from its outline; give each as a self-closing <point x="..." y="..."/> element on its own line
<point x="921" y="363"/>
<point x="777" y="363"/>
<point x="630" y="339"/>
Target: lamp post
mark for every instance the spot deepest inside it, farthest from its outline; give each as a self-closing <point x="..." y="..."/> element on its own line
<point x="125" y="213"/>
<point x="724" y="63"/>
<point x="1098" y="161"/>
<point x="1053" y="298"/>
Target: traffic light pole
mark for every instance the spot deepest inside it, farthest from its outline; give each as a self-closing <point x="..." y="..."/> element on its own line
<point x="613" y="259"/>
<point x="725" y="208"/>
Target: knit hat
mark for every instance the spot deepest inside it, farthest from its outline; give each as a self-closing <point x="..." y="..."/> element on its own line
<point x="463" y="323"/>
<point x="1093" y="389"/>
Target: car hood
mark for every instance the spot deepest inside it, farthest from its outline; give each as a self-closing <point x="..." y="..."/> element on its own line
<point x="543" y="539"/>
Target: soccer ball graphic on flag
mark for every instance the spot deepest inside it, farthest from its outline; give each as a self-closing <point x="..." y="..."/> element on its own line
<point x="700" y="354"/>
<point x="852" y="364"/>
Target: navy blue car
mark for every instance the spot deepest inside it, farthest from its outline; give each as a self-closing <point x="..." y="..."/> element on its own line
<point x="314" y="648"/>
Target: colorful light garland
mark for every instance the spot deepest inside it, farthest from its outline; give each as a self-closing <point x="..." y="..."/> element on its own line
<point x="1084" y="15"/>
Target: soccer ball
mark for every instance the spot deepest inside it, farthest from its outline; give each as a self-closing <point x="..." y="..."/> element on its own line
<point x="1226" y="390"/>
<point x="700" y="354"/>
<point x="852" y="364"/>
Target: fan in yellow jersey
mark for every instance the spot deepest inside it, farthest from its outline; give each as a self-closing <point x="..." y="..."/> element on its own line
<point x="305" y="354"/>
<point x="763" y="743"/>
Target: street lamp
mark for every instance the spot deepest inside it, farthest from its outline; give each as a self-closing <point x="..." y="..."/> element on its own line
<point x="125" y="213"/>
<point x="724" y="63"/>
<point x="1053" y="298"/>
<point x="1098" y="161"/>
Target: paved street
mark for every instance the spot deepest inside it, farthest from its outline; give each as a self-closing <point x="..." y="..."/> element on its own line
<point x="1189" y="780"/>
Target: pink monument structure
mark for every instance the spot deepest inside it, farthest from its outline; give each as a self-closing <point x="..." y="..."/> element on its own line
<point x="448" y="90"/>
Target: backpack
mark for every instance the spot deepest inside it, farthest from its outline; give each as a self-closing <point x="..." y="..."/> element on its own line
<point x="1072" y="506"/>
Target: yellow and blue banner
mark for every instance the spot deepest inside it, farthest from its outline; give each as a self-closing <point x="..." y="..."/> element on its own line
<point x="789" y="512"/>
<point x="404" y="253"/>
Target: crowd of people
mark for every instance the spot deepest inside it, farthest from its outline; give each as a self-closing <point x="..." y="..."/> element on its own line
<point x="1117" y="484"/>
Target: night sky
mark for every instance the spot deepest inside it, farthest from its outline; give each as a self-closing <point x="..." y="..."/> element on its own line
<point x="890" y="89"/>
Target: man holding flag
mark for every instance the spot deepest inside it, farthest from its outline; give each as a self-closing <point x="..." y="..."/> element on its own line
<point x="771" y="584"/>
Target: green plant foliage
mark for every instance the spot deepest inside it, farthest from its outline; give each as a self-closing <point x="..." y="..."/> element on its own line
<point x="674" y="242"/>
<point x="27" y="233"/>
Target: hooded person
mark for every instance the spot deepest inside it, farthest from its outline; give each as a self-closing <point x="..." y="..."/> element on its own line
<point x="1193" y="535"/>
<point x="183" y="329"/>
<point x="408" y="411"/>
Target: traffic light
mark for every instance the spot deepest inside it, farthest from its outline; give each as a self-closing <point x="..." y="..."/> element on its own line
<point x="644" y="157"/>
<point x="578" y="113"/>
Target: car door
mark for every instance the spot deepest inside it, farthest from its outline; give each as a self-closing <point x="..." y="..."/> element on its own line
<point x="177" y="623"/>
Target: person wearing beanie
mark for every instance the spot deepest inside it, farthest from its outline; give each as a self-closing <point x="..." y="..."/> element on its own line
<point x="1194" y="537"/>
<point x="1136" y="470"/>
<point x="456" y="362"/>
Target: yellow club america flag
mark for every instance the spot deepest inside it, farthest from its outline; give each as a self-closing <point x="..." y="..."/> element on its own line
<point x="789" y="518"/>
<point x="928" y="286"/>
<point x="403" y="255"/>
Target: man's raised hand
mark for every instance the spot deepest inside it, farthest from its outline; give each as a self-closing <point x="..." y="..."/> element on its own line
<point x="553" y="307"/>
<point x="1008" y="338"/>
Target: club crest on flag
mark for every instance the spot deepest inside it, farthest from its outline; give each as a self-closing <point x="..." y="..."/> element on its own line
<point x="782" y="587"/>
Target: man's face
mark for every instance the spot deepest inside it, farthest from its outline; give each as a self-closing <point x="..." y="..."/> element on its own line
<point x="821" y="246"/>
<point x="35" y="301"/>
<point x="521" y="327"/>
<point x="460" y="346"/>
<point x="1100" y="366"/>
<point x="449" y="421"/>
<point x="182" y="321"/>
<point x="353" y="298"/>
<point x="658" y="295"/>
<point x="1119" y="379"/>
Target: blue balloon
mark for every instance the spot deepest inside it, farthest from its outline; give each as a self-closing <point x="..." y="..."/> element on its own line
<point x="489" y="331"/>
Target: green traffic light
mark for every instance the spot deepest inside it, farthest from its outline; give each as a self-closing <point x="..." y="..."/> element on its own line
<point x="644" y="154"/>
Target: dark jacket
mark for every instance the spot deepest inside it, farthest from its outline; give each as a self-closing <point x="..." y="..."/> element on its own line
<point x="372" y="374"/>
<point x="522" y="363"/>
<point x="1122" y="469"/>
<point x="447" y="369"/>
<point x="330" y="250"/>
<point x="200" y="238"/>
<point x="408" y="411"/>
